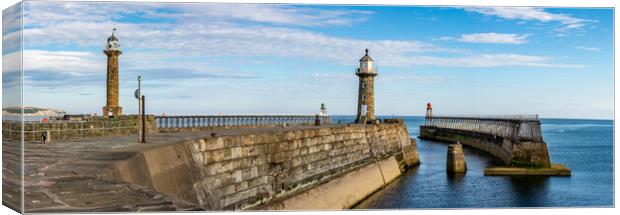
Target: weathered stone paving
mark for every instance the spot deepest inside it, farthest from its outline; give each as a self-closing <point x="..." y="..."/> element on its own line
<point x="11" y="173"/>
<point x="64" y="177"/>
<point x="57" y="174"/>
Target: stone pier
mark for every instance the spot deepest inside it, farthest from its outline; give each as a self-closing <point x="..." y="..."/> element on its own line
<point x="291" y="168"/>
<point x="516" y="141"/>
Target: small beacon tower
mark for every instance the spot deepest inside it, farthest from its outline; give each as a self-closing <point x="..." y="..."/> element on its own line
<point x="429" y="114"/>
<point x="323" y="110"/>
<point x="429" y="110"/>
<point x="366" y="98"/>
<point x="112" y="50"/>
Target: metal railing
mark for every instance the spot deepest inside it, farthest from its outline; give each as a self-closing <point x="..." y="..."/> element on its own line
<point x="514" y="127"/>
<point x="213" y="121"/>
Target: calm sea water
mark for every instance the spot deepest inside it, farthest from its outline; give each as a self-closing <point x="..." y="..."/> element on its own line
<point x="585" y="146"/>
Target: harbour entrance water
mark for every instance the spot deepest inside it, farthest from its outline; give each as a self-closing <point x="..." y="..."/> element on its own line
<point x="585" y="146"/>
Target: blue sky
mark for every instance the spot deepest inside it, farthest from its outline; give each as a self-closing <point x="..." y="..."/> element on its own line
<point x="270" y="58"/>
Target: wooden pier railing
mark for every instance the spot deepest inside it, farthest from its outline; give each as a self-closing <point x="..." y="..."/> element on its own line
<point x="514" y="127"/>
<point x="214" y="121"/>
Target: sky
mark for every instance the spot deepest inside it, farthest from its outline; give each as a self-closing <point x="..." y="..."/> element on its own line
<point x="207" y="58"/>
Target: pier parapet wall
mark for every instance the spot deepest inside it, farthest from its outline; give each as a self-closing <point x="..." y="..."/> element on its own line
<point x="76" y="129"/>
<point x="281" y="169"/>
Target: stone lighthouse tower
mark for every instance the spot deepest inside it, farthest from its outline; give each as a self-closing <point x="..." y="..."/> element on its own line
<point x="366" y="97"/>
<point x="112" y="50"/>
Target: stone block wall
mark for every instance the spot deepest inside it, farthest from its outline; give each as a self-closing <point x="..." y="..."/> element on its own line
<point x="252" y="170"/>
<point x="65" y="130"/>
<point x="11" y="130"/>
<point x="496" y="146"/>
<point x="511" y="153"/>
<point x="455" y="161"/>
<point x="247" y="170"/>
<point x="344" y="191"/>
<point x="531" y="154"/>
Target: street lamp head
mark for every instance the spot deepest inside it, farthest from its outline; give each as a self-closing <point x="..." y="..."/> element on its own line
<point x="137" y="94"/>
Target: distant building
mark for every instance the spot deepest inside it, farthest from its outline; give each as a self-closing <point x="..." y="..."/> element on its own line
<point x="112" y="50"/>
<point x="366" y="98"/>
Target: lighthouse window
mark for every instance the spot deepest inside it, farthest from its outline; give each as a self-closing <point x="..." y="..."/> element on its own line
<point x="363" y="98"/>
<point x="363" y="85"/>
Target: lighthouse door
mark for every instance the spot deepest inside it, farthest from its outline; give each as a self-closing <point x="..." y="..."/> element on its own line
<point x="364" y="110"/>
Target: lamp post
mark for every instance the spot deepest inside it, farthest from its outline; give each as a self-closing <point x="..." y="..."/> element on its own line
<point x="141" y="113"/>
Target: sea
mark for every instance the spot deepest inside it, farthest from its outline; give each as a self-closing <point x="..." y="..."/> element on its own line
<point x="585" y="146"/>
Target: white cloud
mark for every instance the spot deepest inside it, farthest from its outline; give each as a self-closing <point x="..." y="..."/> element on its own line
<point x="234" y="40"/>
<point x="11" y="18"/>
<point x="75" y="63"/>
<point x="443" y="38"/>
<point x="585" y="48"/>
<point x="415" y="78"/>
<point x="272" y="13"/>
<point x="532" y="14"/>
<point x="485" y="60"/>
<point x="11" y="41"/>
<point x="11" y="28"/>
<point x="341" y="77"/>
<point x="494" y="38"/>
<point x="11" y="63"/>
<point x="333" y="76"/>
<point x="52" y="12"/>
<point x="167" y="42"/>
<point x="205" y="39"/>
<point x="188" y="37"/>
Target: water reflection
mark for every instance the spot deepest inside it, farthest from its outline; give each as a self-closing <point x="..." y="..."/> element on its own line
<point x="455" y="185"/>
<point x="430" y="186"/>
<point x="455" y="178"/>
<point x="529" y="191"/>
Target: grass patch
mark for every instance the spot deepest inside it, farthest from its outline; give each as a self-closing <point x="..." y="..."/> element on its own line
<point x="526" y="164"/>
